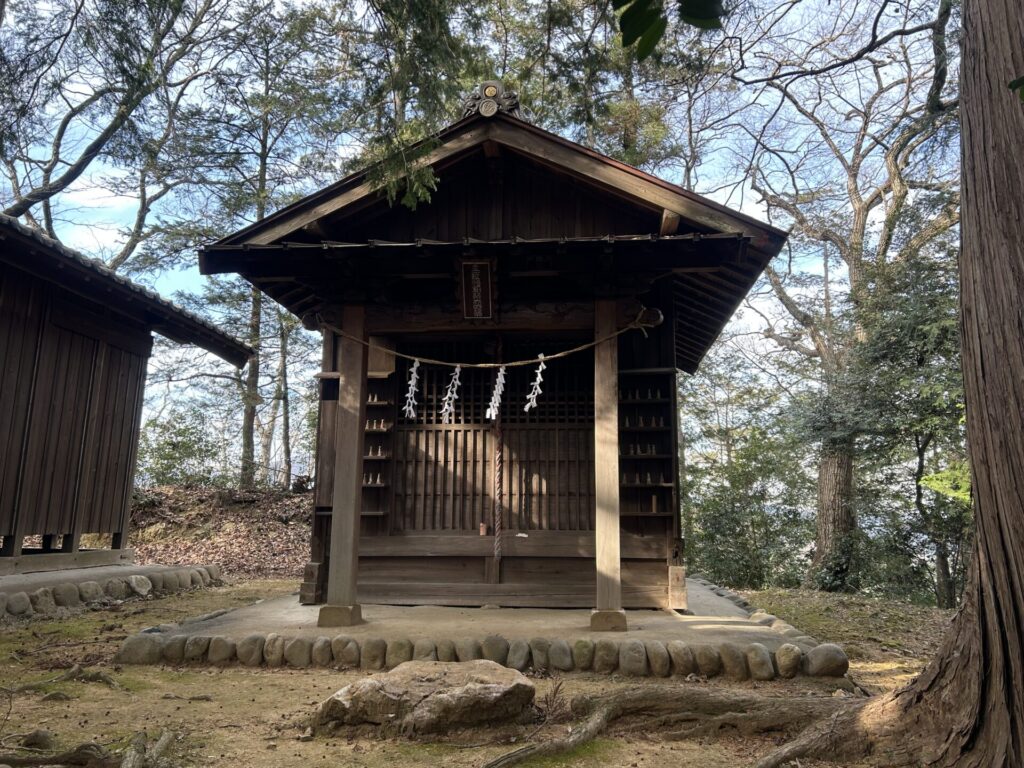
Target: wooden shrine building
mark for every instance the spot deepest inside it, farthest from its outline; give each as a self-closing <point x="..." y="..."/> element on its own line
<point x="74" y="341"/>
<point x="530" y="245"/>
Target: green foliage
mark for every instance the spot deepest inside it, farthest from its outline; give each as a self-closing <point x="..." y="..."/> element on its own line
<point x="897" y="397"/>
<point x="179" y="449"/>
<point x="909" y="388"/>
<point x="841" y="570"/>
<point x="893" y="559"/>
<point x="396" y="166"/>
<point x="415" y="62"/>
<point x="748" y="508"/>
<point x="953" y="482"/>
<point x="643" y="22"/>
<point x="564" y="58"/>
<point x="705" y="14"/>
<point x="1018" y="86"/>
<point x="635" y="132"/>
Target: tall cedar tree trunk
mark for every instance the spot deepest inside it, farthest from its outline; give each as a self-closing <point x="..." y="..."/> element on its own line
<point x="967" y="708"/>
<point x="976" y="685"/>
<point x="832" y="568"/>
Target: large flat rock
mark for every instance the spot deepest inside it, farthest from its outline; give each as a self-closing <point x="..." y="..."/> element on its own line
<point x="430" y="696"/>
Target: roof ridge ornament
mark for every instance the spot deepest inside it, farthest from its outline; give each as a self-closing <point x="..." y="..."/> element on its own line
<point x="491" y="97"/>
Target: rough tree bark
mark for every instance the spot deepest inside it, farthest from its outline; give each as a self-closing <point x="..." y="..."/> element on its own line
<point x="976" y="685"/>
<point x="832" y="565"/>
<point x="967" y="708"/>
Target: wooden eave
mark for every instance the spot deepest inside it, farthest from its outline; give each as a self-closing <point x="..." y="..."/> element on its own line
<point x="675" y="253"/>
<point x="38" y="255"/>
<point x="308" y="278"/>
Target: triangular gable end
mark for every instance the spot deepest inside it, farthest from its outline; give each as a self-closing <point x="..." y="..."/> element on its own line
<point x="668" y="202"/>
<point x="508" y="188"/>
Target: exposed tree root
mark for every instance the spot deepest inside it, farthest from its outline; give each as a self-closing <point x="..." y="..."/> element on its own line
<point x="591" y="727"/>
<point x="830" y="738"/>
<point x="83" y="754"/>
<point x="77" y="672"/>
<point x="137" y="756"/>
<point x="704" y="711"/>
<point x="90" y="755"/>
<point x="899" y="729"/>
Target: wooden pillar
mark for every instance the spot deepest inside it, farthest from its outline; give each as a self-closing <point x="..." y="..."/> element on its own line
<point x="342" y="608"/>
<point x="313" y="589"/>
<point x="608" y="614"/>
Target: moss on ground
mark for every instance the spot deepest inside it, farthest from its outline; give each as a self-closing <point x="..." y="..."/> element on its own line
<point x="595" y="753"/>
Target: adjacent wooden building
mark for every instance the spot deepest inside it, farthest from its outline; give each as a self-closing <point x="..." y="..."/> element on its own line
<point x="530" y="244"/>
<point x="74" y="341"/>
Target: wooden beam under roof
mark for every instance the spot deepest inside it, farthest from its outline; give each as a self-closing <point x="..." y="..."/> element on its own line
<point x="422" y="257"/>
<point x="538" y="316"/>
<point x="669" y="223"/>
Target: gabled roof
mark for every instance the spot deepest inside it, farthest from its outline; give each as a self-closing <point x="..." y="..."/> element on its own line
<point x="344" y="243"/>
<point x="603" y="171"/>
<point x="54" y="262"/>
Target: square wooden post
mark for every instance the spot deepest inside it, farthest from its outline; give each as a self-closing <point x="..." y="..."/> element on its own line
<point x="342" y="608"/>
<point x="608" y="615"/>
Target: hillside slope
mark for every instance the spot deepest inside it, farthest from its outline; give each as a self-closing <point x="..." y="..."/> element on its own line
<point x="250" y="534"/>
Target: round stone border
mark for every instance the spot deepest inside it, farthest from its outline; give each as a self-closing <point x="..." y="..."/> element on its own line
<point x="67" y="596"/>
<point x="630" y="657"/>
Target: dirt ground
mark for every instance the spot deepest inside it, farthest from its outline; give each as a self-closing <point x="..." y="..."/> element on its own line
<point x="256" y="718"/>
<point x="888" y="642"/>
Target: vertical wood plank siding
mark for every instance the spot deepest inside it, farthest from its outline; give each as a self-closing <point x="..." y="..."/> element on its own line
<point x="71" y="388"/>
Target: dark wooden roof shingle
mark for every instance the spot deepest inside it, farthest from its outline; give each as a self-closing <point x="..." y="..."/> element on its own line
<point x="31" y="251"/>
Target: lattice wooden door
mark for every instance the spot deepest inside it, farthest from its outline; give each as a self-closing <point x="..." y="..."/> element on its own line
<point x="444" y="473"/>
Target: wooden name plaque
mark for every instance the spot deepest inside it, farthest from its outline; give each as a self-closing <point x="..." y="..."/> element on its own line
<point x="477" y="284"/>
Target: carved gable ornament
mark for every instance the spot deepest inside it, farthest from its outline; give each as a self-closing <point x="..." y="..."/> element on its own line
<point x="490" y="98"/>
